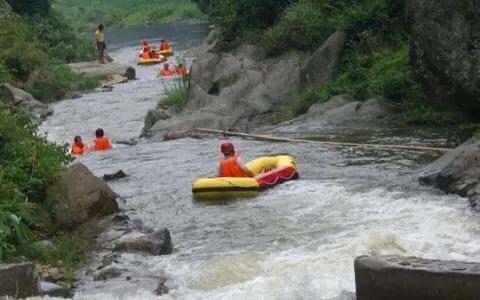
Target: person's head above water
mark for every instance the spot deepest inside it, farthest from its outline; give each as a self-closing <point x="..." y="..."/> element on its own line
<point x="99" y="133"/>
<point x="78" y="140"/>
<point x="227" y="149"/>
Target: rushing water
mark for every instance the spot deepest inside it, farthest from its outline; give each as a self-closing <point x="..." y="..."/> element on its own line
<point x="296" y="241"/>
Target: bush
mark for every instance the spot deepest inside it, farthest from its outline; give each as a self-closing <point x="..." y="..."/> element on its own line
<point x="236" y="17"/>
<point x="30" y="7"/>
<point x="53" y="82"/>
<point x="28" y="163"/>
<point x="303" y="26"/>
<point x="67" y="251"/>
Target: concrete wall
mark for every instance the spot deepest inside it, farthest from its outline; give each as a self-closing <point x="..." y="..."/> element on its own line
<point x="411" y="278"/>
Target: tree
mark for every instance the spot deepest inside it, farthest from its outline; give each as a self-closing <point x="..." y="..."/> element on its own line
<point x="30" y="7"/>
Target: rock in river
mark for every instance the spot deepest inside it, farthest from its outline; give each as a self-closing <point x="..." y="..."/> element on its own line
<point x="340" y="113"/>
<point x="82" y="199"/>
<point x="156" y="243"/>
<point x="101" y="71"/>
<point x="117" y="175"/>
<point x="236" y="90"/>
<point x="457" y="172"/>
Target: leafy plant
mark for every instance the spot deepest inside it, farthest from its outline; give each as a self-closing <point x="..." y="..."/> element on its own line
<point x="27" y="164"/>
<point x="177" y="93"/>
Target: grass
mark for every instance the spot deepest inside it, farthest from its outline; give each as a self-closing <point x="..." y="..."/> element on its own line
<point x="177" y="94"/>
<point x="85" y="15"/>
<point x="67" y="250"/>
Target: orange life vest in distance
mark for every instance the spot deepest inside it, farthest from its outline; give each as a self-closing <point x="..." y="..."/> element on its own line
<point x="77" y="150"/>
<point x="101" y="144"/>
<point x="181" y="71"/>
<point x="164" y="46"/>
<point x="167" y="73"/>
<point x="230" y="168"/>
<point x="146" y="55"/>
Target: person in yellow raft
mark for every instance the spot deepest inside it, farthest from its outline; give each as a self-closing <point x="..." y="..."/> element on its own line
<point x="231" y="165"/>
<point x="79" y="147"/>
<point x="101" y="46"/>
<point x="164" y="45"/>
<point x="181" y="70"/>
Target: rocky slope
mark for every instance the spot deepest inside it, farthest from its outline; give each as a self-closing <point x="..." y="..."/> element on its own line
<point x="243" y="90"/>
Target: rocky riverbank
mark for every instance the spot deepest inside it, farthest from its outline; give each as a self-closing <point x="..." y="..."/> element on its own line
<point x="86" y="205"/>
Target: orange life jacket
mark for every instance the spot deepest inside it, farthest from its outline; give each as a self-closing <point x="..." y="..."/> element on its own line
<point x="146" y="47"/>
<point x="164" y="46"/>
<point x="79" y="150"/>
<point x="230" y="168"/>
<point x="101" y="144"/>
<point x="146" y="55"/>
<point x="181" y="71"/>
<point x="167" y="73"/>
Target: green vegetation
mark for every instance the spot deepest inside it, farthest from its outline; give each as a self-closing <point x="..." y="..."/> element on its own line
<point x="375" y="61"/>
<point x="35" y="42"/>
<point x="85" y="15"/>
<point x="33" y="46"/>
<point x="177" y="94"/>
<point x="28" y="164"/>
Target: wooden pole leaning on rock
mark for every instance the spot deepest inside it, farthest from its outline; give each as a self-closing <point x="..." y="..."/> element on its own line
<point x="324" y="143"/>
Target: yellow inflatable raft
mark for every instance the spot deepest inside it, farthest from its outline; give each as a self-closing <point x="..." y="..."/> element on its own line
<point x="150" y="61"/>
<point x="168" y="52"/>
<point x="269" y="171"/>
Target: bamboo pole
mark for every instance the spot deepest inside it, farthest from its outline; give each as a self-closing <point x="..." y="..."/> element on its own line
<point x="325" y="143"/>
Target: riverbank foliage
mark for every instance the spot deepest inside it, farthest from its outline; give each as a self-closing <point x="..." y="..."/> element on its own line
<point x="28" y="163"/>
<point x="376" y="56"/>
<point x="34" y="42"/>
<point x="176" y="94"/>
<point x="85" y="15"/>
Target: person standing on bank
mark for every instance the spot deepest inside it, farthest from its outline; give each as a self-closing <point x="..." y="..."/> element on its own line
<point x="101" y="46"/>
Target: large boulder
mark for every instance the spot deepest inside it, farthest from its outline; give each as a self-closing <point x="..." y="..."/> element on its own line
<point x="457" y="172"/>
<point x="340" y="114"/>
<point x="323" y="64"/>
<point x="412" y="278"/>
<point x="19" y="98"/>
<point x="155" y="243"/>
<point x="102" y="71"/>
<point x="18" y="280"/>
<point x="446" y="51"/>
<point x="238" y="90"/>
<point x="83" y="199"/>
<point x="152" y="117"/>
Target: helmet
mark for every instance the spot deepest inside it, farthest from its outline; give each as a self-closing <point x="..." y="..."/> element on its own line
<point x="227" y="148"/>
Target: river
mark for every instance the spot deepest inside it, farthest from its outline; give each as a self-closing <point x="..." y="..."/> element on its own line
<point x="296" y="241"/>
